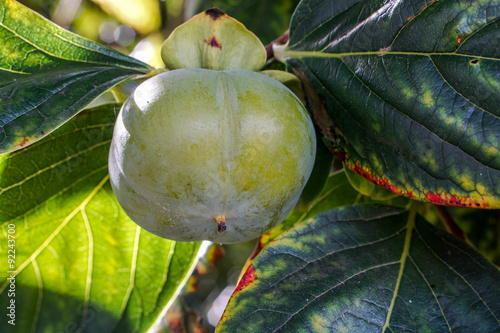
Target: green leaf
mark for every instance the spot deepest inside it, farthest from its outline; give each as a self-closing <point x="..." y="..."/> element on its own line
<point x="267" y="19"/>
<point x="49" y="74"/>
<point x="79" y="260"/>
<point x="337" y="192"/>
<point x="368" y="188"/>
<point x="319" y="176"/>
<point x="482" y="229"/>
<point x="412" y="88"/>
<point x="366" y="268"/>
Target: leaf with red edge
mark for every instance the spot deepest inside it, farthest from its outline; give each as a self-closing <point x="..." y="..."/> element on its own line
<point x="412" y="88"/>
<point x="366" y="268"/>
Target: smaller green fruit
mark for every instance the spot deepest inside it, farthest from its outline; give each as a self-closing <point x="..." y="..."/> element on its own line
<point x="211" y="155"/>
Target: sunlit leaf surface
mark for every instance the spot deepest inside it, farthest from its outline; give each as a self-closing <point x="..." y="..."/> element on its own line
<point x="80" y="262"/>
<point x="49" y="74"/>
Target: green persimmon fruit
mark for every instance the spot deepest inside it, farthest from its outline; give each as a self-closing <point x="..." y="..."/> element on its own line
<point x="201" y="154"/>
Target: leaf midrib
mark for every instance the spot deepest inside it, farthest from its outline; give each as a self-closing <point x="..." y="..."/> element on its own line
<point x="287" y="54"/>
<point x="410" y="225"/>
<point x="406" y="115"/>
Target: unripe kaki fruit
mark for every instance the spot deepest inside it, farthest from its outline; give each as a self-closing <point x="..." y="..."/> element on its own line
<point x="211" y="155"/>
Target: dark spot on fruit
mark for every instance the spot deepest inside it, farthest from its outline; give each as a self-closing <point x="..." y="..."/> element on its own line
<point x="221" y="223"/>
<point x="474" y="61"/>
<point x="221" y="226"/>
<point x="213" y="43"/>
<point x="214" y="13"/>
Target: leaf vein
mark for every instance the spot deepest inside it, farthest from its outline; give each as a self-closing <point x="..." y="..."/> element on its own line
<point x="49" y="239"/>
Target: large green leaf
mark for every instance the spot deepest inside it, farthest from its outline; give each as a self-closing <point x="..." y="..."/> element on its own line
<point x="337" y="192"/>
<point x="48" y="74"/>
<point x="412" y="88"/>
<point x="267" y="19"/>
<point x="366" y="268"/>
<point x="80" y="261"/>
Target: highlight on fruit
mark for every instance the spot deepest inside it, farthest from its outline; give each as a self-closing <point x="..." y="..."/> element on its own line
<point x="211" y="154"/>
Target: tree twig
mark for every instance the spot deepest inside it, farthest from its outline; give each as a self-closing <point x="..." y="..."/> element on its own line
<point x="448" y="222"/>
<point x="280" y="40"/>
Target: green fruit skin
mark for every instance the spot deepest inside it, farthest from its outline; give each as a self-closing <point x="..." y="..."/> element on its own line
<point x="193" y="144"/>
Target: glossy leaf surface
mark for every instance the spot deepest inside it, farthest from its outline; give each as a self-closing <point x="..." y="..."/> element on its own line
<point x="337" y="192"/>
<point x="366" y="268"/>
<point x="49" y="74"/>
<point x="412" y="88"/>
<point x="80" y="262"/>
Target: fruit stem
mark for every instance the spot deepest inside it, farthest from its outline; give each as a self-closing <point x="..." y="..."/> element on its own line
<point x="221" y="223"/>
<point x="280" y="41"/>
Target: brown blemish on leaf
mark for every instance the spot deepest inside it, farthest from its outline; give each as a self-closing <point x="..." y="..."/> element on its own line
<point x="25" y="141"/>
<point x="441" y="198"/>
<point x="446" y="199"/>
<point x="411" y="17"/>
<point x="246" y="279"/>
<point x="180" y="318"/>
<point x="459" y="39"/>
<point x="214" y="254"/>
<point x="214" y="13"/>
<point x="474" y="61"/>
<point x="191" y="285"/>
<point x="378" y="180"/>
<point x="213" y="43"/>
